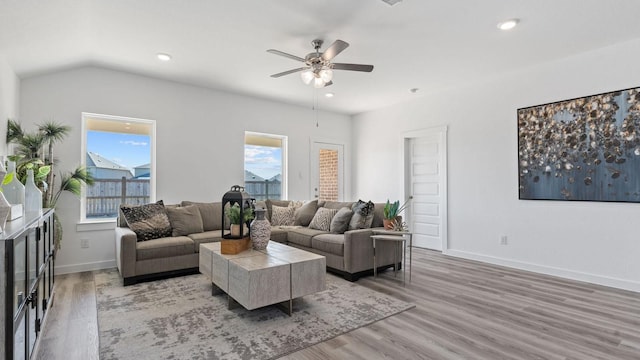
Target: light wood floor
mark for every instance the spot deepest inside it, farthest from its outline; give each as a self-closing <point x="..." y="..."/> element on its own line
<point x="464" y="310"/>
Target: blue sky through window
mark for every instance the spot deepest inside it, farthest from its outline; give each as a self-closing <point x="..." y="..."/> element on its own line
<point x="264" y="161"/>
<point x="128" y="150"/>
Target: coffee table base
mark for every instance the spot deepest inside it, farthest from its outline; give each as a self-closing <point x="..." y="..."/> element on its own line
<point x="286" y="306"/>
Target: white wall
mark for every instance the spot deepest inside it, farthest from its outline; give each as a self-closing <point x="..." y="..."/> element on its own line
<point x="9" y="96"/>
<point x="590" y="241"/>
<point x="200" y="139"/>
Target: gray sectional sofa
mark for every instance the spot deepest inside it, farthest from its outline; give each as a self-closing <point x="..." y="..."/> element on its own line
<point x="349" y="254"/>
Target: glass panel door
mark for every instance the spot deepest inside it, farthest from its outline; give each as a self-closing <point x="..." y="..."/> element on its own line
<point x="19" y="272"/>
<point x="19" y="344"/>
<point x="32" y="261"/>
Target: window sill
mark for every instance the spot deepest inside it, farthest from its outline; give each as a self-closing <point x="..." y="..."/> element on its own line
<point x="96" y="225"/>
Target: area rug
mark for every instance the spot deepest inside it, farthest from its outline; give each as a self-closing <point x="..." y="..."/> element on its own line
<point x="178" y="318"/>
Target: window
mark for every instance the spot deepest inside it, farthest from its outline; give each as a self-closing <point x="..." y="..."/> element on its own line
<point x="119" y="153"/>
<point x="265" y="166"/>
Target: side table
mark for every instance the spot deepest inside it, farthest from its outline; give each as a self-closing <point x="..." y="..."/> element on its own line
<point x="400" y="237"/>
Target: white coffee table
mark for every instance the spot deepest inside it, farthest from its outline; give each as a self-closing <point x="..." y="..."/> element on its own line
<point x="257" y="278"/>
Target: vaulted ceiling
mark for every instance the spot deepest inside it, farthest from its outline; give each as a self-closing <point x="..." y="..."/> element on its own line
<point x="222" y="45"/>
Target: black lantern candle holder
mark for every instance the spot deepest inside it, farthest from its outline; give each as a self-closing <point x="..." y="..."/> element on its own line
<point x="237" y="211"/>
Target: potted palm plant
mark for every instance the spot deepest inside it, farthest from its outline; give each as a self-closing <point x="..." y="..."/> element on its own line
<point x="236" y="220"/>
<point x="391" y="213"/>
<point x="30" y="154"/>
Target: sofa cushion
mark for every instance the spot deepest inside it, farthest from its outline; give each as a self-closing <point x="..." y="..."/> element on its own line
<point x="362" y="215"/>
<point x="270" y="203"/>
<point x="205" y="237"/>
<point x="149" y="221"/>
<point x="164" y="247"/>
<point x="211" y="214"/>
<point x="302" y="236"/>
<point x="282" y="215"/>
<point x="330" y="243"/>
<point x="278" y="234"/>
<point x="378" y="215"/>
<point x="322" y="219"/>
<point x="340" y="222"/>
<point x="304" y="214"/>
<point x="185" y="220"/>
<point x="337" y="204"/>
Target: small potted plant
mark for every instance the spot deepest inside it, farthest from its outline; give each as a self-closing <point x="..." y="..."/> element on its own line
<point x="391" y="213"/>
<point x="233" y="213"/>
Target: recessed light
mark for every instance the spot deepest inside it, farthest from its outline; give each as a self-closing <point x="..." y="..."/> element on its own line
<point x="414" y="90"/>
<point x="509" y="24"/>
<point x="164" y="57"/>
<point x="329" y="95"/>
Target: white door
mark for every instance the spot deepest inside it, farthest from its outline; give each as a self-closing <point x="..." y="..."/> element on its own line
<point x="425" y="183"/>
<point x="327" y="173"/>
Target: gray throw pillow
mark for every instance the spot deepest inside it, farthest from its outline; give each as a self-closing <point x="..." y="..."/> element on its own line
<point x="282" y="216"/>
<point x="211" y="214"/>
<point x="185" y="220"/>
<point x="270" y="203"/>
<point x="340" y="222"/>
<point x="148" y="221"/>
<point x="322" y="219"/>
<point x="304" y="214"/>
<point x="362" y="215"/>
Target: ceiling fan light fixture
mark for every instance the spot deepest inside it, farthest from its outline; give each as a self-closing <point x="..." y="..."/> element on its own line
<point x="326" y="75"/>
<point x="307" y="76"/>
<point x="318" y="83"/>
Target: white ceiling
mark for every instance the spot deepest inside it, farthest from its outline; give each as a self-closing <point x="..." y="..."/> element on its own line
<point x="426" y="44"/>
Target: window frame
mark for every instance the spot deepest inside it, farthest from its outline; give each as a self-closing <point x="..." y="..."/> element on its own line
<point x="83" y="159"/>
<point x="284" y="139"/>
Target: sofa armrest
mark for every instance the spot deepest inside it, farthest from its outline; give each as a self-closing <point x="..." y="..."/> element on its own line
<point x="358" y="250"/>
<point x="126" y="241"/>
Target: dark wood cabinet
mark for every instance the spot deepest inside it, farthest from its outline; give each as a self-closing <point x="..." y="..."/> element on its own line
<point x="27" y="250"/>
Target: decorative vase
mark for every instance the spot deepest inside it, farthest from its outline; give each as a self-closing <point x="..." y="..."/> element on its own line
<point x="388" y="223"/>
<point x="5" y="208"/>
<point x="14" y="191"/>
<point x="32" y="195"/>
<point x="260" y="230"/>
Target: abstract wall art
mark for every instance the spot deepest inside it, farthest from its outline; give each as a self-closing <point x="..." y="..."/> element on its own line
<point x="585" y="149"/>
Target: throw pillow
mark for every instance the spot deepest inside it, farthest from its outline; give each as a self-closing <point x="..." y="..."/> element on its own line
<point x="148" y="221"/>
<point x="305" y="213"/>
<point x="322" y="219"/>
<point x="282" y="216"/>
<point x="185" y="220"/>
<point x="270" y="203"/>
<point x="340" y="222"/>
<point x="211" y="214"/>
<point x="362" y="215"/>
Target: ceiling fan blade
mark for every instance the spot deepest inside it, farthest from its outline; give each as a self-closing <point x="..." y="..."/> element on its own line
<point x="352" y="67"/>
<point x="336" y="48"/>
<point x="278" y="52"/>
<point x="288" y="72"/>
<point x="328" y="84"/>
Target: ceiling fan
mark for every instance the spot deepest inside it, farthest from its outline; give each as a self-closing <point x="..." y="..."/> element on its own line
<point x="318" y="66"/>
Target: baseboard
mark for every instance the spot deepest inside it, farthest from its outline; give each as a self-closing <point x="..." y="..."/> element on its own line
<point x="76" y="268"/>
<point x="548" y="270"/>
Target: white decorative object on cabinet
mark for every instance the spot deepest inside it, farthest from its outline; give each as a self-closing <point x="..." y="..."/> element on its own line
<point x="14" y="193"/>
<point x="32" y="195"/>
